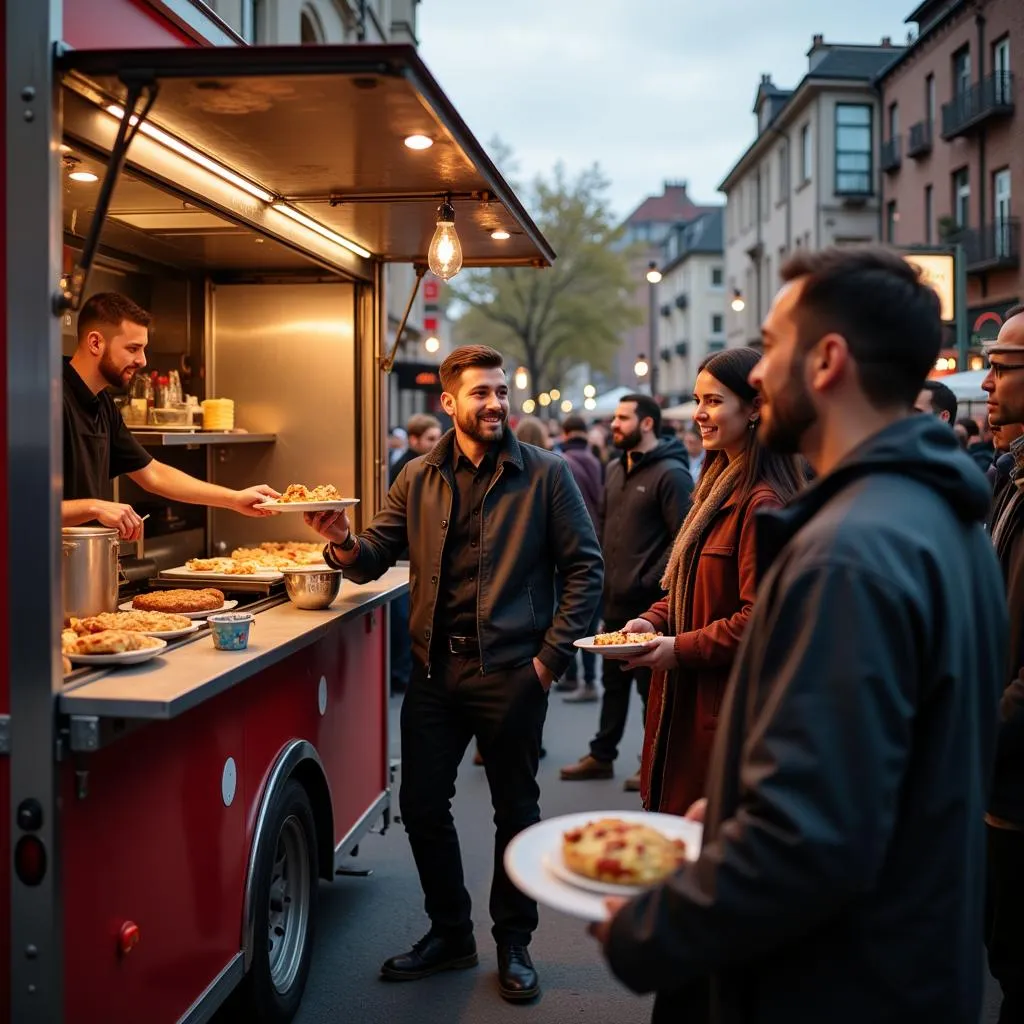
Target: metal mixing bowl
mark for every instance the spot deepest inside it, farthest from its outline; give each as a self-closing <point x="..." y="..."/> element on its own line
<point x="312" y="589"/>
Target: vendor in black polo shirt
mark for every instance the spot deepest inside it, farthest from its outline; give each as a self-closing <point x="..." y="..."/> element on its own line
<point x="98" y="447"/>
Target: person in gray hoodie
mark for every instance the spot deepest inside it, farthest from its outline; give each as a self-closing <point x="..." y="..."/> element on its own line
<point x="646" y="497"/>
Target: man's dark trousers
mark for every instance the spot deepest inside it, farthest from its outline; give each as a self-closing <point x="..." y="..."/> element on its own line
<point x="505" y="710"/>
<point x="617" y="681"/>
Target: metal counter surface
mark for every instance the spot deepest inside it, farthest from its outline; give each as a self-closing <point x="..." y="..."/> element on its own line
<point x="179" y="680"/>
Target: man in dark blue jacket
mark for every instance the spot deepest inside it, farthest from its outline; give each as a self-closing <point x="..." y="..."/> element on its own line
<point x="841" y="877"/>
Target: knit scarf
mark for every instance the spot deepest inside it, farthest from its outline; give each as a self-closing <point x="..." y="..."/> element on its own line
<point x="712" y="493"/>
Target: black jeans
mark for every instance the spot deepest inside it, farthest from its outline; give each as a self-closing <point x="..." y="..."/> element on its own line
<point x="505" y="710"/>
<point x="401" y="644"/>
<point x="1004" y="919"/>
<point x="618" y="682"/>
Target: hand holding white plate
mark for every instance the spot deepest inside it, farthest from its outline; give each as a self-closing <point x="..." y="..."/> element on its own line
<point x="610" y="650"/>
<point x="307" y="506"/>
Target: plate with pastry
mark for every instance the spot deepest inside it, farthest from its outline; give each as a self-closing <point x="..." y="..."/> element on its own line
<point x="568" y="862"/>
<point x="114" y="647"/>
<point x="299" y="498"/>
<point x="192" y="604"/>
<point x="617" y="643"/>
<point x="163" y="625"/>
<point x="222" y="569"/>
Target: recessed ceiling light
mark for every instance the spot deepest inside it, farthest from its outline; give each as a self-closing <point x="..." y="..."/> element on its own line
<point x="419" y="142"/>
<point x="500" y="235"/>
<point x="83" y="176"/>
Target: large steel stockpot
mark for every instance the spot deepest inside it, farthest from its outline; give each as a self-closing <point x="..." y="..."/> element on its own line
<point x="90" y="572"/>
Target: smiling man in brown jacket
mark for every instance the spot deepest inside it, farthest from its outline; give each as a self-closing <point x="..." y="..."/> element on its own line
<point x="488" y="522"/>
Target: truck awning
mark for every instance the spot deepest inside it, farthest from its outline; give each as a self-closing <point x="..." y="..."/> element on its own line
<point x="319" y="132"/>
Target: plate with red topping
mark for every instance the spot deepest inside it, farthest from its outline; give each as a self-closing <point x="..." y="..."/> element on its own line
<point x="574" y="861"/>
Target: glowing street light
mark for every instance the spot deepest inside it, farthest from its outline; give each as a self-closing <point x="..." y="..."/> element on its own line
<point x="522" y="378"/>
<point x="555" y="394"/>
<point x="544" y="399"/>
<point x="653" y="273"/>
<point x="567" y="406"/>
<point x="590" y="404"/>
<point x="529" y="405"/>
<point x="432" y="344"/>
<point x="641" y="366"/>
<point x="738" y="304"/>
<point x="589" y="391"/>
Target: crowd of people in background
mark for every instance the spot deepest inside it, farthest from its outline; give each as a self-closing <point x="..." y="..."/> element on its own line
<point x="833" y="564"/>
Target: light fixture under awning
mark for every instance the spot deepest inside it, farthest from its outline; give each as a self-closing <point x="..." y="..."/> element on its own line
<point x="323" y="130"/>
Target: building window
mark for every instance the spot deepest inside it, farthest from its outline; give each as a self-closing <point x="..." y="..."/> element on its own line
<point x="929" y="98"/>
<point x="1001" y="70"/>
<point x="1001" y="210"/>
<point x="890" y="221"/>
<point x="805" y="153"/>
<point x="783" y="173"/>
<point x="717" y="323"/>
<point x="251" y="29"/>
<point x="894" y="120"/>
<point x="311" y="32"/>
<point x="853" y="149"/>
<point x="766" y="191"/>
<point x="961" y="71"/>
<point x="717" y="277"/>
<point x="929" y="214"/>
<point x="962" y="198"/>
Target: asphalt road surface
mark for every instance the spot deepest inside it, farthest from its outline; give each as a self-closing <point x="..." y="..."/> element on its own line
<point x="363" y="921"/>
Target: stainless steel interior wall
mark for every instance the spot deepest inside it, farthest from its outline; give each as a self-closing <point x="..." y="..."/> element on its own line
<point x="285" y="353"/>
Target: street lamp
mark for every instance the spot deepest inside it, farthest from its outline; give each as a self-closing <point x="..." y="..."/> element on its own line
<point x="738" y="305"/>
<point x="522" y="378"/>
<point x="432" y="344"/>
<point x="528" y="406"/>
<point x="567" y="406"/>
<point x="653" y="278"/>
<point x="555" y="394"/>
<point x="589" y="391"/>
<point x="641" y="366"/>
<point x="590" y="404"/>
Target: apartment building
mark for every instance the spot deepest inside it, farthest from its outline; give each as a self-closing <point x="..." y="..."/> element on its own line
<point x="320" y="21"/>
<point x="809" y="179"/>
<point x="690" y="303"/>
<point x="645" y="231"/>
<point x="952" y="154"/>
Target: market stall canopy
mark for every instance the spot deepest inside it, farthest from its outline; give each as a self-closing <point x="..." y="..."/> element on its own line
<point x="966" y="386"/>
<point x="686" y="411"/>
<point x="606" y="404"/>
<point x="321" y="132"/>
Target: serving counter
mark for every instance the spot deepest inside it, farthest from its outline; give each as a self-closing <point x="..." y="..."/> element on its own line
<point x="196" y="671"/>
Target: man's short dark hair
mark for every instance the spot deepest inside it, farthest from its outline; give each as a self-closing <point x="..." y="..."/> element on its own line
<point x="110" y="310"/>
<point x="646" y="407"/>
<point x="881" y="305"/>
<point x="467" y="357"/>
<point x="573" y="424"/>
<point x="970" y="426"/>
<point x="419" y="423"/>
<point x="943" y="399"/>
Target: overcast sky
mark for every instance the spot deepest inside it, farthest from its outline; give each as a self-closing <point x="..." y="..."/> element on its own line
<point x="649" y="89"/>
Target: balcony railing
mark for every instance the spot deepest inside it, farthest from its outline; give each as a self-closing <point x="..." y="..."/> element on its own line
<point x="920" y="141"/>
<point x="989" y="98"/>
<point x="993" y="247"/>
<point x="891" y="154"/>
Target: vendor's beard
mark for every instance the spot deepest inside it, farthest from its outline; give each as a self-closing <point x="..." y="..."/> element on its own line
<point x="628" y="442"/>
<point x="112" y="375"/>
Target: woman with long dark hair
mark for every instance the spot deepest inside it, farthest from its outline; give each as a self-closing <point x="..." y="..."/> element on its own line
<point x="710" y="582"/>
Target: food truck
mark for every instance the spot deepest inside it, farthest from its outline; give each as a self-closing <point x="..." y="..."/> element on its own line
<point x="166" y="823"/>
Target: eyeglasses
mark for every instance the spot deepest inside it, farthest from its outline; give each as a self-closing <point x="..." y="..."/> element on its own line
<point x="999" y="370"/>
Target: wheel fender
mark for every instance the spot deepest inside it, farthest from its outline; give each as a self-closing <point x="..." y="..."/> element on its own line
<point x="297" y="759"/>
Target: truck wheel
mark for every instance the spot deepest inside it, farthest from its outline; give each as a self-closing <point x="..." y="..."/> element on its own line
<point x="286" y="885"/>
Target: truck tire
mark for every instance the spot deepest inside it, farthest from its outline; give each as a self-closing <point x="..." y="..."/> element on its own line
<point x="285" y="873"/>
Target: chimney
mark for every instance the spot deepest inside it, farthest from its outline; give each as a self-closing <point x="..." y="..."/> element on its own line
<point x="887" y="42"/>
<point x="817" y="41"/>
<point x="818" y="51"/>
<point x="766" y="79"/>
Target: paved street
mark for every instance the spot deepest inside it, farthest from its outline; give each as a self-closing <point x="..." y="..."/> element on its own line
<point x="365" y="920"/>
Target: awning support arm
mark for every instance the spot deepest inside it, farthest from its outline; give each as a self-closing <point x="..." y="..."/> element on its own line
<point x="69" y="296"/>
<point x="389" y="361"/>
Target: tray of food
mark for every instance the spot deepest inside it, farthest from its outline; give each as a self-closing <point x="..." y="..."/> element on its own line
<point x="574" y="862"/>
<point x="222" y="569"/>
<point x="192" y="604"/>
<point x="164" y="625"/>
<point x="110" y="647"/>
<point x="299" y="498"/>
<point x="607" y="644"/>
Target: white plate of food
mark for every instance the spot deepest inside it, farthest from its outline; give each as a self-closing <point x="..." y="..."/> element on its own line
<point x="609" y="644"/>
<point x="299" y="498"/>
<point x="163" y="625"/>
<point x="113" y="647"/>
<point x="192" y="604"/>
<point x="535" y="860"/>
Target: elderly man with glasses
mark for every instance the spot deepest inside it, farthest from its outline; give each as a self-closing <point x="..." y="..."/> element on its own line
<point x="1004" y="925"/>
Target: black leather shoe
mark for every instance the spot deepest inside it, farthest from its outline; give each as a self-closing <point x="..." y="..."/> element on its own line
<point x="517" y="977"/>
<point x="429" y="956"/>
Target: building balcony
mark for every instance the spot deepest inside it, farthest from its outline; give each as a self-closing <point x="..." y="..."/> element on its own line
<point x="891" y="156"/>
<point x="919" y="142"/>
<point x="993" y="247"/>
<point x="854" y="187"/>
<point x="666" y="355"/>
<point x="682" y="348"/>
<point x="682" y="300"/>
<point x="990" y="98"/>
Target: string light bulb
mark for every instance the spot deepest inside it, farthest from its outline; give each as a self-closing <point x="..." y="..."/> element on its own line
<point x="529" y="405"/>
<point x="432" y="344"/>
<point x="590" y="404"/>
<point x="589" y="391"/>
<point x="444" y="257"/>
<point x="522" y="378"/>
<point x="653" y="273"/>
<point x="738" y="305"/>
<point x="567" y="406"/>
<point x="555" y="394"/>
<point x="544" y="399"/>
<point x="640" y="367"/>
